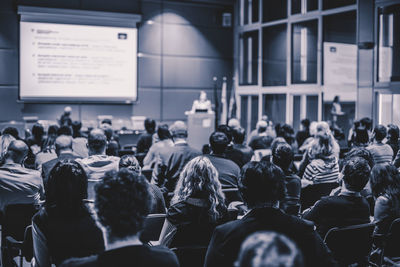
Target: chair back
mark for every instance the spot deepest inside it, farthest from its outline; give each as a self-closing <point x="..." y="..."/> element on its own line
<point x="313" y="193"/>
<point x="231" y="194"/>
<point x="152" y="227"/>
<point x="351" y="244"/>
<point x="40" y="250"/>
<point x="392" y="247"/>
<point x="15" y="220"/>
<point x="191" y="256"/>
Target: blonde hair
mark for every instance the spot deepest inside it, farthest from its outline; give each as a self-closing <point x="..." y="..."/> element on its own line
<point x="200" y="177"/>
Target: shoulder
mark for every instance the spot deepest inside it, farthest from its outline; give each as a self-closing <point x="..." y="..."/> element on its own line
<point x="164" y="256"/>
<point x="177" y="212"/>
<point x="90" y="261"/>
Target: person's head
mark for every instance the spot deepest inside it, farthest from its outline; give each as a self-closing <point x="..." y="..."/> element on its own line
<point x="228" y="131"/>
<point x="131" y="163"/>
<point x="17" y="151"/>
<point x="238" y="135"/>
<point x="64" y="130"/>
<point x="11" y="131"/>
<point x="313" y="128"/>
<point x="277" y="142"/>
<point x="53" y="129"/>
<point x="356" y="173"/>
<point x="393" y="133"/>
<point x="366" y="123"/>
<point x="385" y="180"/>
<point x="63" y="144"/>
<point x="380" y="132"/>
<point x="37" y="131"/>
<point x="218" y="142"/>
<point x="66" y="187"/>
<point x="199" y="179"/>
<point x="269" y="249"/>
<point x="283" y="156"/>
<point x="76" y="128"/>
<point x="361" y="136"/>
<point x="106" y="121"/>
<point x="362" y="153"/>
<point x="305" y="124"/>
<point x="5" y="141"/>
<point x="203" y="96"/>
<point x="178" y="130"/>
<point x="286" y="131"/>
<point x="336" y="99"/>
<point x="261" y="183"/>
<point x="261" y="126"/>
<point x="122" y="203"/>
<point x="97" y="142"/>
<point x="163" y="132"/>
<point x="323" y="147"/>
<point x="234" y="123"/>
<point x="150" y="125"/>
<point x="67" y="110"/>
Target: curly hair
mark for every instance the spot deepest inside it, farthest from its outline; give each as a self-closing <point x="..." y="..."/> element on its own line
<point x="122" y="203"/>
<point x="131" y="163"/>
<point x="199" y="178"/>
<point x="356" y="172"/>
<point x="66" y="188"/>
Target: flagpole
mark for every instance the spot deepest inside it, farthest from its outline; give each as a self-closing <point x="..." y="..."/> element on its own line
<point x="216" y="111"/>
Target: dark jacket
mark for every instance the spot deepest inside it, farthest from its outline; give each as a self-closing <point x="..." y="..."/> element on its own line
<point x="225" y="243"/>
<point x="144" y="143"/>
<point x="228" y="171"/>
<point x="48" y="166"/>
<point x="293" y="190"/>
<point x="240" y="154"/>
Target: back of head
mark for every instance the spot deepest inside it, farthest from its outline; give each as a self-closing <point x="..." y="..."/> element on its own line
<point x="238" y="135"/>
<point x="66" y="188"/>
<point x="67" y="110"/>
<point x="356" y="173"/>
<point x="131" y="163"/>
<point x="106" y="121"/>
<point x="283" y="156"/>
<point x="277" y="141"/>
<point x="361" y="136"/>
<point x="150" y="125"/>
<point x="76" y="128"/>
<point x="53" y="129"/>
<point x="17" y="151"/>
<point x="97" y="141"/>
<point x="366" y="123"/>
<point x="269" y="249"/>
<point x="305" y="123"/>
<point x="37" y="131"/>
<point x="218" y="142"/>
<point x="11" y="131"/>
<point x="261" y="183"/>
<point x="362" y="153"/>
<point x="163" y="132"/>
<point x="380" y="132"/>
<point x="228" y="131"/>
<point x="63" y="142"/>
<point x="64" y="130"/>
<point x="5" y="141"/>
<point x="385" y="180"/>
<point x="393" y="133"/>
<point x="178" y="129"/>
<point x="261" y="126"/>
<point x="234" y="123"/>
<point x="323" y="147"/>
<point x="122" y="202"/>
<point x="286" y="131"/>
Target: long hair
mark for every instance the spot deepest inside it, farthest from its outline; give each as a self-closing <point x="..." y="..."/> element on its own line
<point x="324" y="142"/>
<point x="199" y="178"/>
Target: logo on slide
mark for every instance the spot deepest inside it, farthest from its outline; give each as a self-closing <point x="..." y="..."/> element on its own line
<point x="122" y="36"/>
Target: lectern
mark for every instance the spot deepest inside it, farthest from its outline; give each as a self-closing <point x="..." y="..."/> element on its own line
<point x="200" y="127"/>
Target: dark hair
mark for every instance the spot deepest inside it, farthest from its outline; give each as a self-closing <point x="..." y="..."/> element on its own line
<point x="385" y="180"/>
<point x="163" y="132"/>
<point x="305" y="123"/>
<point x="380" y="132"/>
<point x="11" y="131"/>
<point x="131" y="163"/>
<point x="76" y="128"/>
<point x="66" y="188"/>
<point x="218" y="142"/>
<point x="238" y="135"/>
<point x="64" y="130"/>
<point x="122" y="203"/>
<point x="277" y="141"/>
<point x="106" y="121"/>
<point x="283" y="156"/>
<point x="366" y="122"/>
<point x="362" y="153"/>
<point x="49" y="142"/>
<point x="356" y="173"/>
<point x="361" y="136"/>
<point x="286" y="131"/>
<point x="53" y="129"/>
<point x="261" y="182"/>
<point x="393" y="132"/>
<point x="37" y="132"/>
<point x="97" y="140"/>
<point x="228" y="131"/>
<point x="336" y="99"/>
<point x="150" y="125"/>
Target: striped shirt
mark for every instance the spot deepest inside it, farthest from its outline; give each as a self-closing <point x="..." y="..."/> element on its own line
<point x="322" y="171"/>
<point x="382" y="153"/>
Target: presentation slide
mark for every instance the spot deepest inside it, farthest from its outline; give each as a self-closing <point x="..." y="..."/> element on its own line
<point x="77" y="62"/>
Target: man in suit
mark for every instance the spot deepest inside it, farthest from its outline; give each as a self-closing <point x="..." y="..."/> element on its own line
<point x="63" y="150"/>
<point x="262" y="186"/>
<point x="347" y="208"/>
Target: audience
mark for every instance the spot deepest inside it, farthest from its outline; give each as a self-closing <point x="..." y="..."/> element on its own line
<point x="5" y="141"/>
<point x="197" y="207"/>
<point x="35" y="141"/>
<point x="228" y="171"/>
<point x="382" y="153"/>
<point x="65" y="221"/>
<point x="347" y="208"/>
<point x="48" y="151"/>
<point x="304" y="132"/>
<point x="79" y="142"/>
<point x="122" y="203"/>
<point x="157" y="152"/>
<point x="243" y="152"/>
<point x="269" y="249"/>
<point x="393" y="138"/>
<point x="11" y="131"/>
<point x="146" y="139"/>
<point x="18" y="185"/>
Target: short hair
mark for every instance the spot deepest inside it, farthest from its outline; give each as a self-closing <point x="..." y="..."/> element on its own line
<point x="276" y="142"/>
<point x="131" y="163"/>
<point x="366" y="122"/>
<point x="64" y="130"/>
<point x="238" y="135"/>
<point x="362" y="153"/>
<point x="269" y="249"/>
<point x="218" y="142"/>
<point x="361" y="136"/>
<point x="76" y="127"/>
<point x="53" y="129"/>
<point x="122" y="202"/>
<point x="380" y="132"/>
<point x="37" y="130"/>
<point x="11" y="131"/>
<point x="393" y="132"/>
<point x="261" y="182"/>
<point x="305" y="123"/>
<point x="163" y="132"/>
<point x="283" y="156"/>
<point x="356" y="173"/>
<point x="228" y="131"/>
<point x="66" y="187"/>
<point x="150" y="125"/>
<point x="97" y="140"/>
<point x="179" y="129"/>
<point x="106" y="121"/>
<point x="63" y="141"/>
<point x="17" y="150"/>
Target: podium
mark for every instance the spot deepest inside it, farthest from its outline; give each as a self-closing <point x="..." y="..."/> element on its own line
<point x="200" y="127"/>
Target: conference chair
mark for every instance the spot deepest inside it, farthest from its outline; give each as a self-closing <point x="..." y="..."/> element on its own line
<point x="190" y="256"/>
<point x="153" y="225"/>
<point x="231" y="194"/>
<point x="390" y="253"/>
<point x="351" y="244"/>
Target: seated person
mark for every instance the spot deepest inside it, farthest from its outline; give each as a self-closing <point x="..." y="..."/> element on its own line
<point x="245" y="152"/>
<point x="347" y="208"/>
<point x="198" y="205"/>
<point x="382" y="153"/>
<point x="262" y="187"/>
<point x="146" y="139"/>
<point x="65" y="220"/>
<point x="122" y="203"/>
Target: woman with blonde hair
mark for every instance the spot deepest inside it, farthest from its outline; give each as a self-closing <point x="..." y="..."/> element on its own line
<point x="197" y="207"/>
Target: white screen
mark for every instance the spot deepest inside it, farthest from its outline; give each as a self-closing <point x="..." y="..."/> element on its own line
<point x="77" y="62"/>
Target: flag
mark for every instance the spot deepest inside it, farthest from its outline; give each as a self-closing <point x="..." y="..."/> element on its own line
<point x="232" y="102"/>
<point x="224" y="103"/>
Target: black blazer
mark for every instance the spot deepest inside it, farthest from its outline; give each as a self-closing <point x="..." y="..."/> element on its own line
<point x="227" y="238"/>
